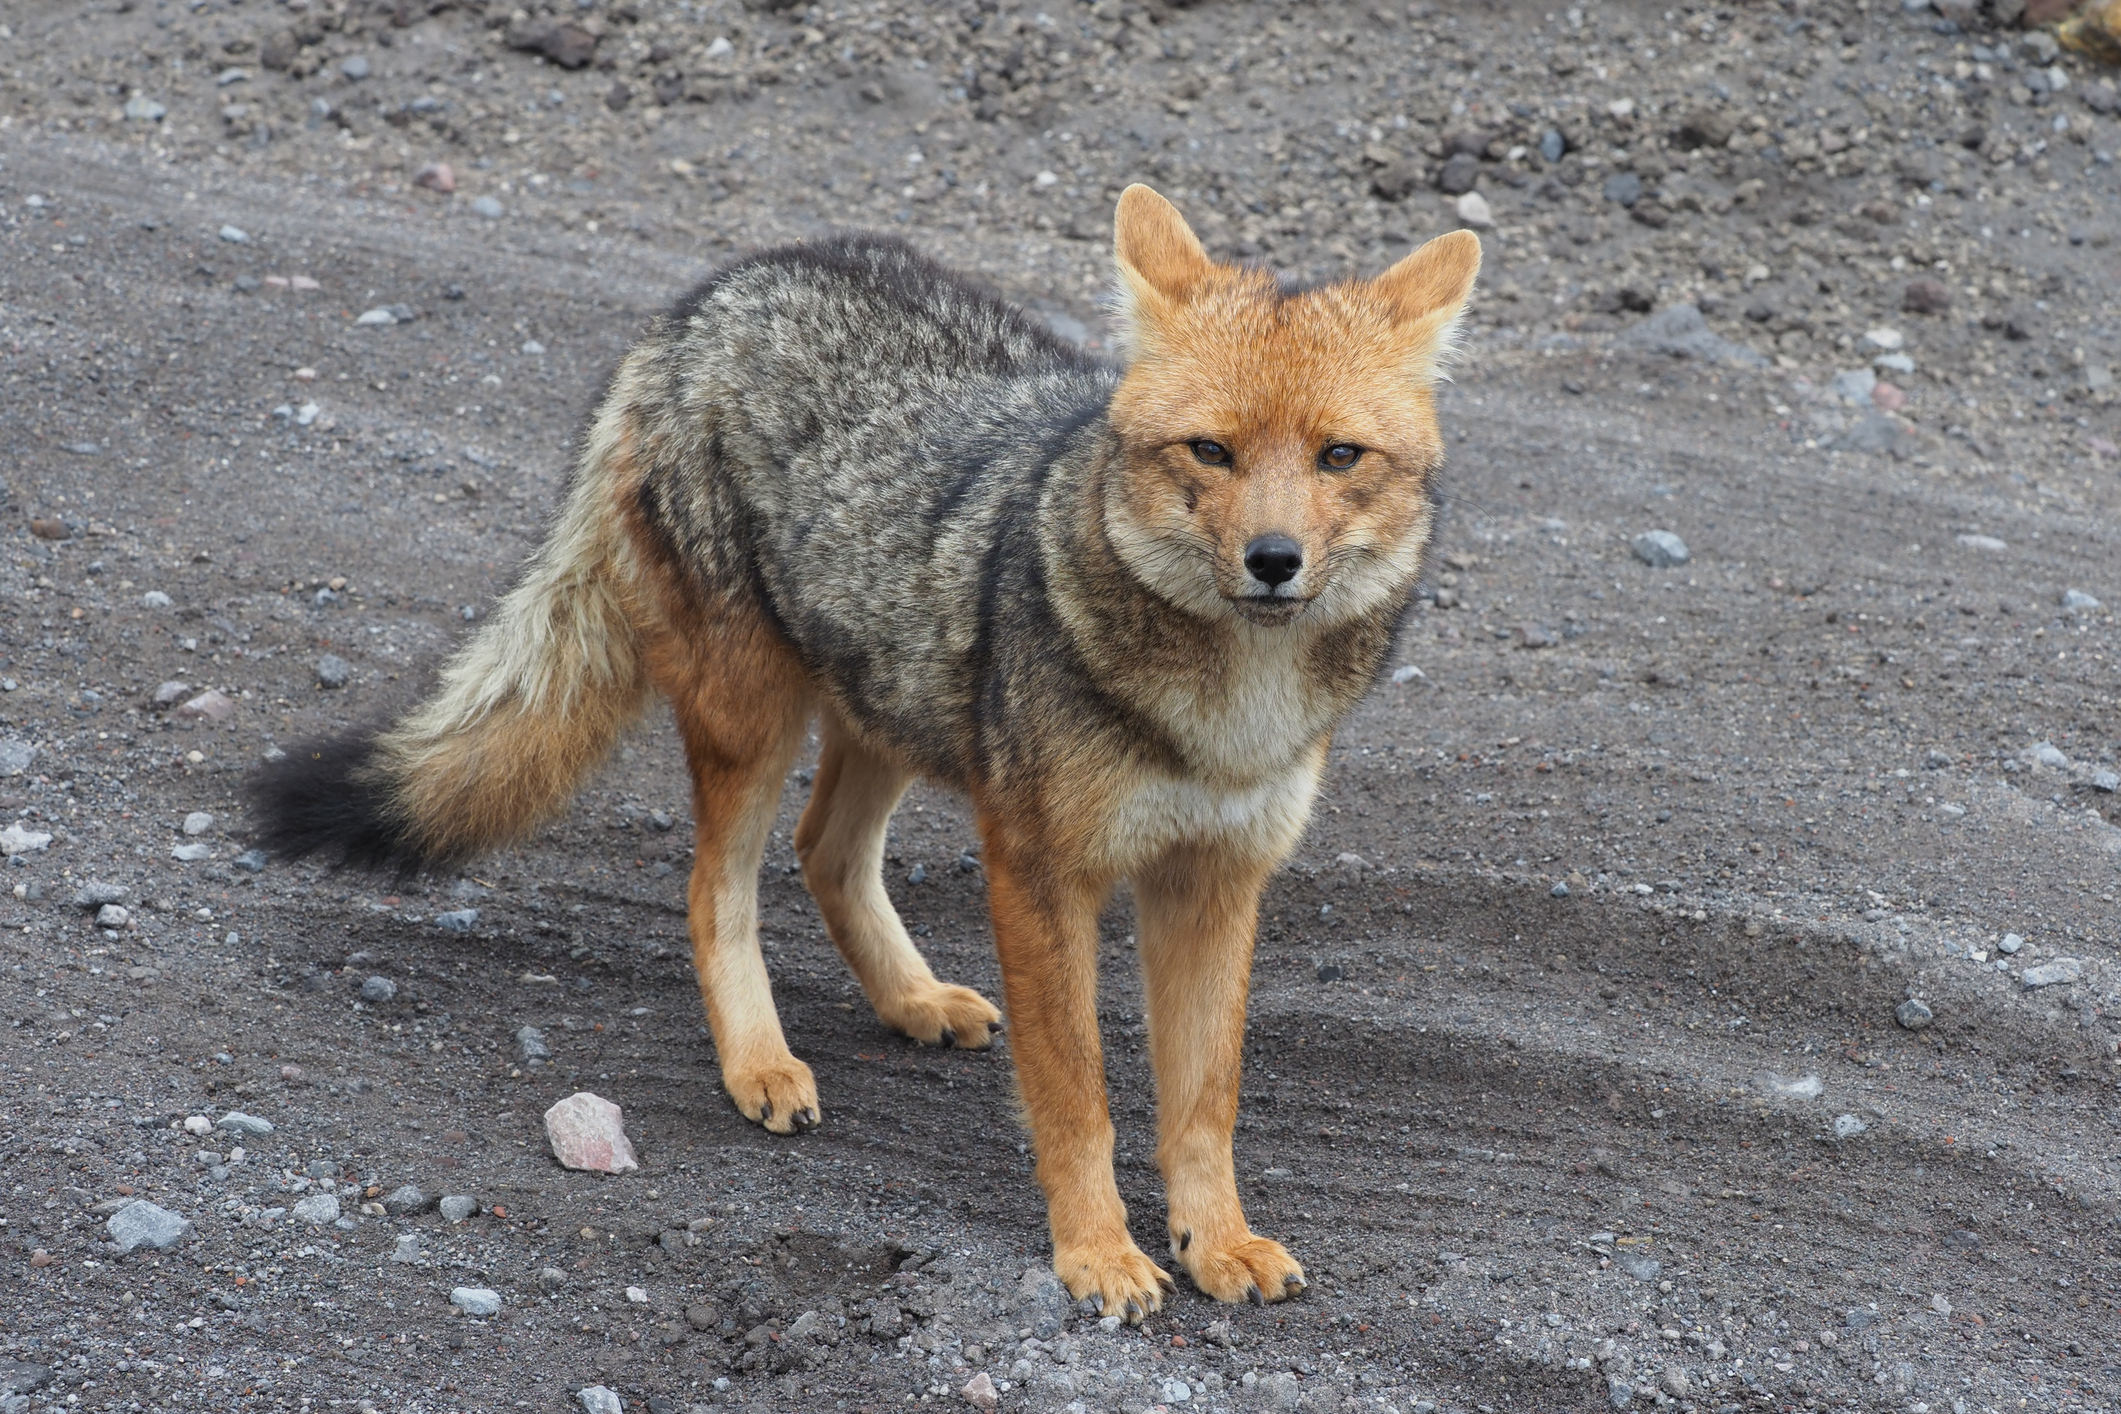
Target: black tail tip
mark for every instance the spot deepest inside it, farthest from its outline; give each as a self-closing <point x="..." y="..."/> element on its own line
<point x="325" y="798"/>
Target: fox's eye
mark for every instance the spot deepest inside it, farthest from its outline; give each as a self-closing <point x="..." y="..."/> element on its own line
<point x="1340" y="456"/>
<point x="1212" y="453"/>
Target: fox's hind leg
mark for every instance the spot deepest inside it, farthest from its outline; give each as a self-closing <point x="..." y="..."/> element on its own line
<point x="742" y="705"/>
<point x="1198" y="908"/>
<point x="841" y="844"/>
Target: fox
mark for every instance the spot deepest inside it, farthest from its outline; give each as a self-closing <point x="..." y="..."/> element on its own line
<point x="1120" y="606"/>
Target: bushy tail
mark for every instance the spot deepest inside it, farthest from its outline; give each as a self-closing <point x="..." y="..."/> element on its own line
<point x="522" y="713"/>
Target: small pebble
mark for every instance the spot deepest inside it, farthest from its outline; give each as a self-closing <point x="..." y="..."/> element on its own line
<point x="190" y="853"/>
<point x="408" y="1248"/>
<point x="143" y="1224"/>
<point x="113" y="915"/>
<point x="436" y="176"/>
<point x="333" y="671"/>
<point x="461" y="920"/>
<point x="1660" y="549"/>
<point x="318" y="1209"/>
<point x="2010" y="944"/>
<point x="1848" y="1126"/>
<point x="457" y="1207"/>
<point x="2060" y="972"/>
<point x="237" y="1122"/>
<point x="488" y="207"/>
<point x="95" y="894"/>
<point x="198" y="822"/>
<point x="2076" y="601"/>
<point x="379" y="990"/>
<point x="1474" y="211"/>
<point x="235" y="235"/>
<point x="1913" y="1015"/>
<point x="596" y="1399"/>
<point x="476" y="1301"/>
<point x="404" y="1201"/>
<point x="530" y="1046"/>
<point x="588" y="1132"/>
<point x="1558" y="891"/>
<point x="355" y="67"/>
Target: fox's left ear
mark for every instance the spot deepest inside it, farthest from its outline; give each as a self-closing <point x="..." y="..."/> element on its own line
<point x="1161" y="263"/>
<point x="1427" y="293"/>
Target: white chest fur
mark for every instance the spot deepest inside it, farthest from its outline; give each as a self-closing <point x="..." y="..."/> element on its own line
<point x="1263" y="818"/>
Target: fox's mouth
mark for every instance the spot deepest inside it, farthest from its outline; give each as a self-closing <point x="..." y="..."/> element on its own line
<point x="1270" y="610"/>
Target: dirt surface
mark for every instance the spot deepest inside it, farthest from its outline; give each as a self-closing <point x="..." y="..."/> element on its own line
<point x="1575" y="1078"/>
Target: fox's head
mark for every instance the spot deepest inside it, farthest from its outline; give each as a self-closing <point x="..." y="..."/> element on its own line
<point x="1278" y="445"/>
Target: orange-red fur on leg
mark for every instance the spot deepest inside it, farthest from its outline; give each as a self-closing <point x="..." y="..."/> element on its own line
<point x="1045" y="930"/>
<point x="1199" y="907"/>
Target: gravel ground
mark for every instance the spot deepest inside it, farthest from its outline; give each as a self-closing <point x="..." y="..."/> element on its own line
<point x="1620" y="890"/>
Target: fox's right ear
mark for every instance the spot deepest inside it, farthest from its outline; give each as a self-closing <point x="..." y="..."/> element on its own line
<point x="1161" y="264"/>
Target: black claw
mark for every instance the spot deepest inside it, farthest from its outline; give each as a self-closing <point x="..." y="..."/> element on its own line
<point x="1254" y="1295"/>
<point x="1134" y="1313"/>
<point x="766" y="1110"/>
<point x="949" y="1037"/>
<point x="994" y="1028"/>
<point x="806" y="1119"/>
<point x="1186" y="1240"/>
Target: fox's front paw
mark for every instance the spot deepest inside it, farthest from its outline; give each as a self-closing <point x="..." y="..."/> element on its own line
<point x="1118" y="1276"/>
<point x="942" y="1015"/>
<point x="780" y="1094"/>
<point x="1254" y="1269"/>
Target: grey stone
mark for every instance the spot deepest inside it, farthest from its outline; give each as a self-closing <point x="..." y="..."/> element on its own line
<point x="1675" y="1382"/>
<point x="1876" y="432"/>
<point x="20" y="1377"/>
<point x="191" y="853"/>
<point x="1623" y="187"/>
<point x="886" y="1321"/>
<point x="405" y="1200"/>
<point x="476" y="1301"/>
<point x="198" y="822"/>
<point x="1680" y="331"/>
<point x="237" y="1122"/>
<point x="1982" y="542"/>
<point x="1552" y="145"/>
<point x="2106" y="781"/>
<point x="1618" y="1391"/>
<point x="457" y="1207"/>
<point x="15" y="757"/>
<point x="1458" y="175"/>
<point x="461" y="920"/>
<point x="1283" y="1390"/>
<point x="142" y="109"/>
<point x="379" y="990"/>
<point x="531" y="1047"/>
<point x="318" y="1209"/>
<point x="1042" y="1301"/>
<point x="235" y="235"/>
<point x="1856" y="385"/>
<point x="1175" y="1391"/>
<point x="1848" y="1126"/>
<point x="553" y="1279"/>
<point x="407" y="1249"/>
<point x="2060" y="972"/>
<point x="212" y="705"/>
<point x="95" y="894"/>
<point x="1660" y="549"/>
<point x="142" y="1224"/>
<point x="1558" y="891"/>
<point x="596" y="1399"/>
<point x="333" y="671"/>
<point x="355" y="67"/>
<point x="250" y="861"/>
<point x="488" y="207"/>
<point x="2046" y="753"/>
<point x="1913" y="1015"/>
<point x="2076" y="601"/>
<point x="2010" y="944"/>
<point x="113" y="915"/>
<point x="1638" y="1265"/>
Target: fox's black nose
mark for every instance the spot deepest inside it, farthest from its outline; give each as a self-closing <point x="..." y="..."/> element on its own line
<point x="1274" y="559"/>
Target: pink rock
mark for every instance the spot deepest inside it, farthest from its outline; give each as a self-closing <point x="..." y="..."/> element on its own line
<point x="436" y="176"/>
<point x="1888" y="397"/>
<point x="980" y="1393"/>
<point x="588" y="1132"/>
<point x="212" y="705"/>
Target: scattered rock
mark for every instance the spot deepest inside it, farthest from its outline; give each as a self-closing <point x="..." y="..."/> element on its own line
<point x="2060" y="972"/>
<point x="1913" y="1015"/>
<point x="235" y="235"/>
<point x="355" y="67"/>
<point x="1457" y="175"/>
<point x="1806" y="1087"/>
<point x="190" y="853"/>
<point x="461" y="920"/>
<point x="407" y="1248"/>
<point x="457" y="1207"/>
<point x="1848" y="1126"/>
<point x="2011" y="941"/>
<point x="198" y="822"/>
<point x="378" y="990"/>
<point x="16" y="757"/>
<point x="15" y="840"/>
<point x="1982" y="542"/>
<point x="237" y="1122"/>
<point x="18" y="1377"/>
<point x="979" y="1392"/>
<point x="1680" y="331"/>
<point x="1639" y="1265"/>
<point x="1624" y="188"/>
<point x="96" y="894"/>
<point x="1474" y="212"/>
<point x="1926" y="296"/>
<point x="886" y="1321"/>
<point x="142" y="109"/>
<point x="530" y="1046"/>
<point x="142" y="1224"/>
<point x="212" y="705"/>
<point x="332" y="670"/>
<point x="318" y="1209"/>
<point x="587" y="1131"/>
<point x="166" y="695"/>
<point x="405" y="1200"/>
<point x="1660" y="549"/>
<point x="476" y="1300"/>
<point x="1042" y="1301"/>
<point x="488" y="207"/>
<point x="2076" y="601"/>
<point x="568" y="45"/>
<point x="436" y="176"/>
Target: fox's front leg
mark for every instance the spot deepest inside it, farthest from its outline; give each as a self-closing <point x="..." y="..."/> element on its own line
<point x="1045" y="929"/>
<point x="1198" y="910"/>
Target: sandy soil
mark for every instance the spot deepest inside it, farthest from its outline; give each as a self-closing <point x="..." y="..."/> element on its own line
<point x="1576" y="1079"/>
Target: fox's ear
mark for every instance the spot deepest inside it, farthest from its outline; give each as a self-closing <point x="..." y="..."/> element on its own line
<point x="1427" y="292"/>
<point x="1160" y="261"/>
